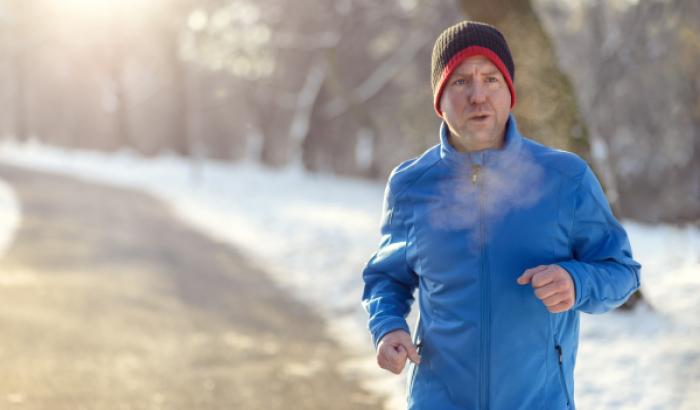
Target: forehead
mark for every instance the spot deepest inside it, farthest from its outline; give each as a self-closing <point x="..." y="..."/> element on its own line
<point x="479" y="63"/>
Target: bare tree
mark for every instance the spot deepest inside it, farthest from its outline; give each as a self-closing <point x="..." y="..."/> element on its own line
<point x="636" y="93"/>
<point x="17" y="24"/>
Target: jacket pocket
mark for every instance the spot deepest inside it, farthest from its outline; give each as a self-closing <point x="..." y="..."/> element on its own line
<point x="562" y="378"/>
<point x="414" y="369"/>
<point x="418" y="342"/>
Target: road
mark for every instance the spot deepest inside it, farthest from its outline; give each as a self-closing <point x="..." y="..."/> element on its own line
<point x="110" y="302"/>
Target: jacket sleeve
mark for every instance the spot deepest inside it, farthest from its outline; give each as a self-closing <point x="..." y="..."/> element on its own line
<point x="602" y="268"/>
<point x="389" y="281"/>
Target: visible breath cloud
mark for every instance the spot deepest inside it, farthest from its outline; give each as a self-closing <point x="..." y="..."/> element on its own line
<point x="507" y="185"/>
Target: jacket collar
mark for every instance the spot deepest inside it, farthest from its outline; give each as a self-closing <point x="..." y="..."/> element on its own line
<point x="489" y="157"/>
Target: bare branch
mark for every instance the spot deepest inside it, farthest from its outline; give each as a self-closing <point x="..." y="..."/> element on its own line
<point x="381" y="76"/>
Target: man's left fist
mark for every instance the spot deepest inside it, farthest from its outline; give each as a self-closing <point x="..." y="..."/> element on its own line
<point x="553" y="286"/>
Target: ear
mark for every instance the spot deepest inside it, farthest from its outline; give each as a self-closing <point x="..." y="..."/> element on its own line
<point x="442" y="104"/>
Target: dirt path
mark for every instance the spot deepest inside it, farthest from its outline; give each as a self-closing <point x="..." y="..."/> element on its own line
<point x="109" y="302"/>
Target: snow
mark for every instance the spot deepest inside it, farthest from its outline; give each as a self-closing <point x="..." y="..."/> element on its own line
<point x="314" y="233"/>
<point x="9" y="216"/>
<point x="649" y="359"/>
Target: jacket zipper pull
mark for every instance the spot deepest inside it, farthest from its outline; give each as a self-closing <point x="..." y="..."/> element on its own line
<point x="560" y="355"/>
<point x="475" y="173"/>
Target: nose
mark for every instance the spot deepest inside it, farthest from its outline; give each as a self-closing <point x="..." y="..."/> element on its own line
<point x="477" y="93"/>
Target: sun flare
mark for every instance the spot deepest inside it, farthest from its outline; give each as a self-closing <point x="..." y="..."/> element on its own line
<point x="103" y="9"/>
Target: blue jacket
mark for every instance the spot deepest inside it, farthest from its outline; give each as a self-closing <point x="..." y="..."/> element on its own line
<point x="461" y="228"/>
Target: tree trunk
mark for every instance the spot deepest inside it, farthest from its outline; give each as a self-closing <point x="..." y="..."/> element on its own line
<point x="546" y="106"/>
<point x="121" y="110"/>
<point x="533" y="54"/>
<point x="180" y="126"/>
<point x="20" y="95"/>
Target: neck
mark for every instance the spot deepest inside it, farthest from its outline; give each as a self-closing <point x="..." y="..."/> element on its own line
<point x="465" y="144"/>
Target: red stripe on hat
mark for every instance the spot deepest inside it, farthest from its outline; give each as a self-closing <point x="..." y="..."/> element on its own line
<point x="457" y="59"/>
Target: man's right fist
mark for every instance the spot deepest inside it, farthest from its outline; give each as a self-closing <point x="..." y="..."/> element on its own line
<point x="393" y="350"/>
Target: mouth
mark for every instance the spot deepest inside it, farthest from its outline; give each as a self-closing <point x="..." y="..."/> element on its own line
<point x="479" y="117"/>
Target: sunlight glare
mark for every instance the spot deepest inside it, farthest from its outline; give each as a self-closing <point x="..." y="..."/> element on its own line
<point x="102" y="8"/>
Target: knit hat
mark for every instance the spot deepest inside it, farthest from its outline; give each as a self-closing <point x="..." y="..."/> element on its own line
<point x="468" y="39"/>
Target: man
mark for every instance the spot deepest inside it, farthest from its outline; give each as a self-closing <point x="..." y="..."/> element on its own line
<point x="506" y="241"/>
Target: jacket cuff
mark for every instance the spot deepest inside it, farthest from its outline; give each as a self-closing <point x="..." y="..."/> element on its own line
<point x="387" y="326"/>
<point x="570" y="267"/>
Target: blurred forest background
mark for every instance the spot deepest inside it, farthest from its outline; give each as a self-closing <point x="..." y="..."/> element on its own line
<point x="342" y="86"/>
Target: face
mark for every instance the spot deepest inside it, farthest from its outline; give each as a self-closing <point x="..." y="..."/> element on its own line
<point x="475" y="104"/>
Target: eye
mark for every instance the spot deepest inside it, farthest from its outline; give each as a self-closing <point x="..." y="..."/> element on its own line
<point x="492" y="79"/>
<point x="459" y="81"/>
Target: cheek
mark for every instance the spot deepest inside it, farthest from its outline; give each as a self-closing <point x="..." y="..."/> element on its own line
<point x="502" y="103"/>
<point x="455" y="101"/>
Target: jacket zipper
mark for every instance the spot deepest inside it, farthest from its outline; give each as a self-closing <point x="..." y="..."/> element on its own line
<point x="562" y="379"/>
<point x="485" y="290"/>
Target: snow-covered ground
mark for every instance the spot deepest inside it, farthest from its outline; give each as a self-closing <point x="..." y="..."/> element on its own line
<point x="314" y="233"/>
<point x="9" y="216"/>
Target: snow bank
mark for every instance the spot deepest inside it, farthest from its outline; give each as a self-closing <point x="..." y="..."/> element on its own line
<point x="9" y="216"/>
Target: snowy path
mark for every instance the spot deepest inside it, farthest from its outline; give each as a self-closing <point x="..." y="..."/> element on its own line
<point x="117" y="304"/>
<point x="314" y="233"/>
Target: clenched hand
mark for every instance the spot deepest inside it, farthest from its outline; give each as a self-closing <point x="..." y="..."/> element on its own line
<point x="553" y="286"/>
<point x="393" y="350"/>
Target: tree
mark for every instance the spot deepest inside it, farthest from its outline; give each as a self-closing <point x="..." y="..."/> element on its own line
<point x="547" y="109"/>
<point x="19" y="43"/>
<point x="638" y="93"/>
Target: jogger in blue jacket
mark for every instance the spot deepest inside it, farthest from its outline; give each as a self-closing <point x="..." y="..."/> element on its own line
<point x="506" y="241"/>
